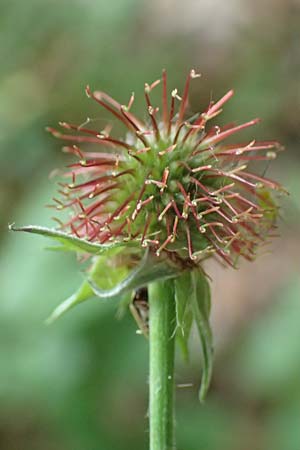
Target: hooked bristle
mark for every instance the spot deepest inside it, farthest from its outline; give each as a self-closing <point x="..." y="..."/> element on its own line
<point x="173" y="178"/>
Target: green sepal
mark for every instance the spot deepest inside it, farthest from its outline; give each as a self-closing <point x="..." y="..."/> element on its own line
<point x="183" y="334"/>
<point x="98" y="273"/>
<point x="83" y="293"/>
<point x="69" y="242"/>
<point x="148" y="270"/>
<point x="201" y="308"/>
<point x="184" y="314"/>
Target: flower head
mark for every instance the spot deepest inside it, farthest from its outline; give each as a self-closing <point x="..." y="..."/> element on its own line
<point x="174" y="184"/>
<point x="175" y="192"/>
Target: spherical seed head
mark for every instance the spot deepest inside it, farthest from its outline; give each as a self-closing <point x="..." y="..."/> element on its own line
<point x="173" y="185"/>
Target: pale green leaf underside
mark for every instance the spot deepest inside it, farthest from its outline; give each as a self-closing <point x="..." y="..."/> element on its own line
<point x="123" y="283"/>
<point x="184" y="314"/>
<point x="146" y="272"/>
<point x="70" y="242"/>
<point x="85" y="292"/>
<point x="99" y="269"/>
<point x="201" y="310"/>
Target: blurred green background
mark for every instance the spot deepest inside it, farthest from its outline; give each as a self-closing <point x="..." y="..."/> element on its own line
<point x="81" y="384"/>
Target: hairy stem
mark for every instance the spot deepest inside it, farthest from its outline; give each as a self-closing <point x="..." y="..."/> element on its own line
<point x="161" y="380"/>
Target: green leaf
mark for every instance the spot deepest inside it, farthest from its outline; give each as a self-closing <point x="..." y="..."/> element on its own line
<point x="183" y="334"/>
<point x="149" y="269"/>
<point x="98" y="274"/>
<point x="69" y="242"/>
<point x="83" y="293"/>
<point x="183" y="292"/>
<point x="201" y="309"/>
<point x="184" y="314"/>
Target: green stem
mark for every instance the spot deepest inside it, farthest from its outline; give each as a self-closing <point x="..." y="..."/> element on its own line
<point x="162" y="351"/>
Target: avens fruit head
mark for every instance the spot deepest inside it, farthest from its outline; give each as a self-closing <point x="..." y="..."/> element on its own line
<point x="174" y="185"/>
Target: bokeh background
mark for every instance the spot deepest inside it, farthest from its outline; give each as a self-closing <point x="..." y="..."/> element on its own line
<point x="81" y="384"/>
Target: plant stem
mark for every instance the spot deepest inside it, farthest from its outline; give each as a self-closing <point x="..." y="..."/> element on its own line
<point x="162" y="351"/>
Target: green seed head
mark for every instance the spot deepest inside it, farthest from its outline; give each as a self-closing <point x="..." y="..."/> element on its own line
<point x="174" y="185"/>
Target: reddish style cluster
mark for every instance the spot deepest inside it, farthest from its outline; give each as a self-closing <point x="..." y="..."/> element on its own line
<point x="172" y="185"/>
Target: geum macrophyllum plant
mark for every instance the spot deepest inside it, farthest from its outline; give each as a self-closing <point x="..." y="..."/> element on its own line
<point x="151" y="208"/>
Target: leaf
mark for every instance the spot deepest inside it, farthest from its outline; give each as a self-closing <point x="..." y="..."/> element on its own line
<point x="184" y="314"/>
<point x="183" y="334"/>
<point x="70" y="242"/>
<point x="183" y="291"/>
<point x="83" y="293"/>
<point x="148" y="270"/>
<point x="98" y="274"/>
<point x="58" y="248"/>
<point x="201" y="309"/>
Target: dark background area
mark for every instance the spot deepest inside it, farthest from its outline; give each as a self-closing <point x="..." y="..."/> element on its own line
<point x="81" y="384"/>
